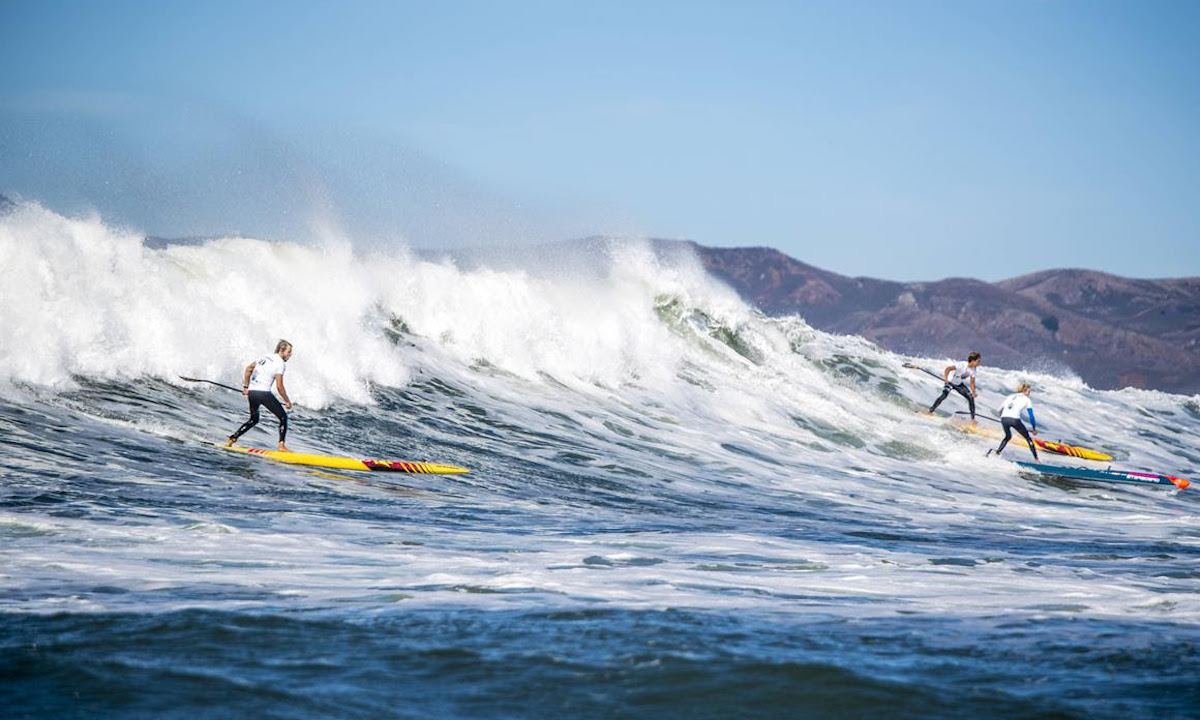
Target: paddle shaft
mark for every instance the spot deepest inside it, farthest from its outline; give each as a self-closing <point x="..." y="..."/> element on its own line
<point x="211" y="382"/>
<point x="985" y="417"/>
<point x="927" y="372"/>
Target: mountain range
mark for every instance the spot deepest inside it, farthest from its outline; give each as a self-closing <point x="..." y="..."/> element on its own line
<point x="1111" y="331"/>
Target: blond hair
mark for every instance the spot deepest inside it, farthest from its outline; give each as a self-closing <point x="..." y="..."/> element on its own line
<point x="1022" y="387"/>
<point x="282" y="345"/>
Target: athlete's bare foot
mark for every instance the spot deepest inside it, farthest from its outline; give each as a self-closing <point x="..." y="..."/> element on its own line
<point x="230" y="442"/>
<point x="283" y="448"/>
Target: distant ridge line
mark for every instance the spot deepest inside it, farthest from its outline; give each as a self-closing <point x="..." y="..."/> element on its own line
<point x="1112" y="331"/>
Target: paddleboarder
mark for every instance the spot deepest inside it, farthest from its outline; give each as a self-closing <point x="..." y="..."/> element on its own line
<point x="257" y="380"/>
<point x="1010" y="417"/>
<point x="956" y="377"/>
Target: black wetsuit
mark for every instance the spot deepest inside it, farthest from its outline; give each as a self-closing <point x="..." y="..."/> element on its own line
<point x="1011" y="424"/>
<point x="263" y="397"/>
<point x="962" y="390"/>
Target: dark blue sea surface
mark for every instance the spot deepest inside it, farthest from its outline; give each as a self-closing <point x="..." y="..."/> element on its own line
<point x="588" y="663"/>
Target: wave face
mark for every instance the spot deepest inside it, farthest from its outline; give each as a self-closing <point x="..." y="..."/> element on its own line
<point x="677" y="505"/>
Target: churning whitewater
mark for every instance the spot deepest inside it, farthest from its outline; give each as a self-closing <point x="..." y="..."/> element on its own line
<point x="677" y="506"/>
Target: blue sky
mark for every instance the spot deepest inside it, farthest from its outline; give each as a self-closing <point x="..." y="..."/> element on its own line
<point x="899" y="139"/>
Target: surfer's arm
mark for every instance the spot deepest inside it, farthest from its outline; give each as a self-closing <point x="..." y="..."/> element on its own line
<point x="246" y="379"/>
<point x="282" y="392"/>
<point x="946" y="374"/>
<point x="1032" y="421"/>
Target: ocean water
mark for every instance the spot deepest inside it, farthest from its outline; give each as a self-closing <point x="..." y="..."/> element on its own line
<point x="678" y="507"/>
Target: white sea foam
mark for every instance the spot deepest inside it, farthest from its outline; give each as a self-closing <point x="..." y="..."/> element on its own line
<point x="87" y="299"/>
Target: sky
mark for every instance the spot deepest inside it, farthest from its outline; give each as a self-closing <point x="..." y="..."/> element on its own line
<point x="901" y="139"/>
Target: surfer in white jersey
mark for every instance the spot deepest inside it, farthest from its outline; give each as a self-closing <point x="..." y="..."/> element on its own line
<point x="257" y="380"/>
<point x="956" y="377"/>
<point x="1014" y="407"/>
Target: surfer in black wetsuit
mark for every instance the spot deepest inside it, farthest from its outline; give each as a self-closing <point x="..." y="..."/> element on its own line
<point x="257" y="380"/>
<point x="956" y="376"/>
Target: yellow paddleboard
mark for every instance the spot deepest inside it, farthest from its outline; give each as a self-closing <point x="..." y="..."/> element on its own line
<point x="1072" y="450"/>
<point x="345" y="463"/>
